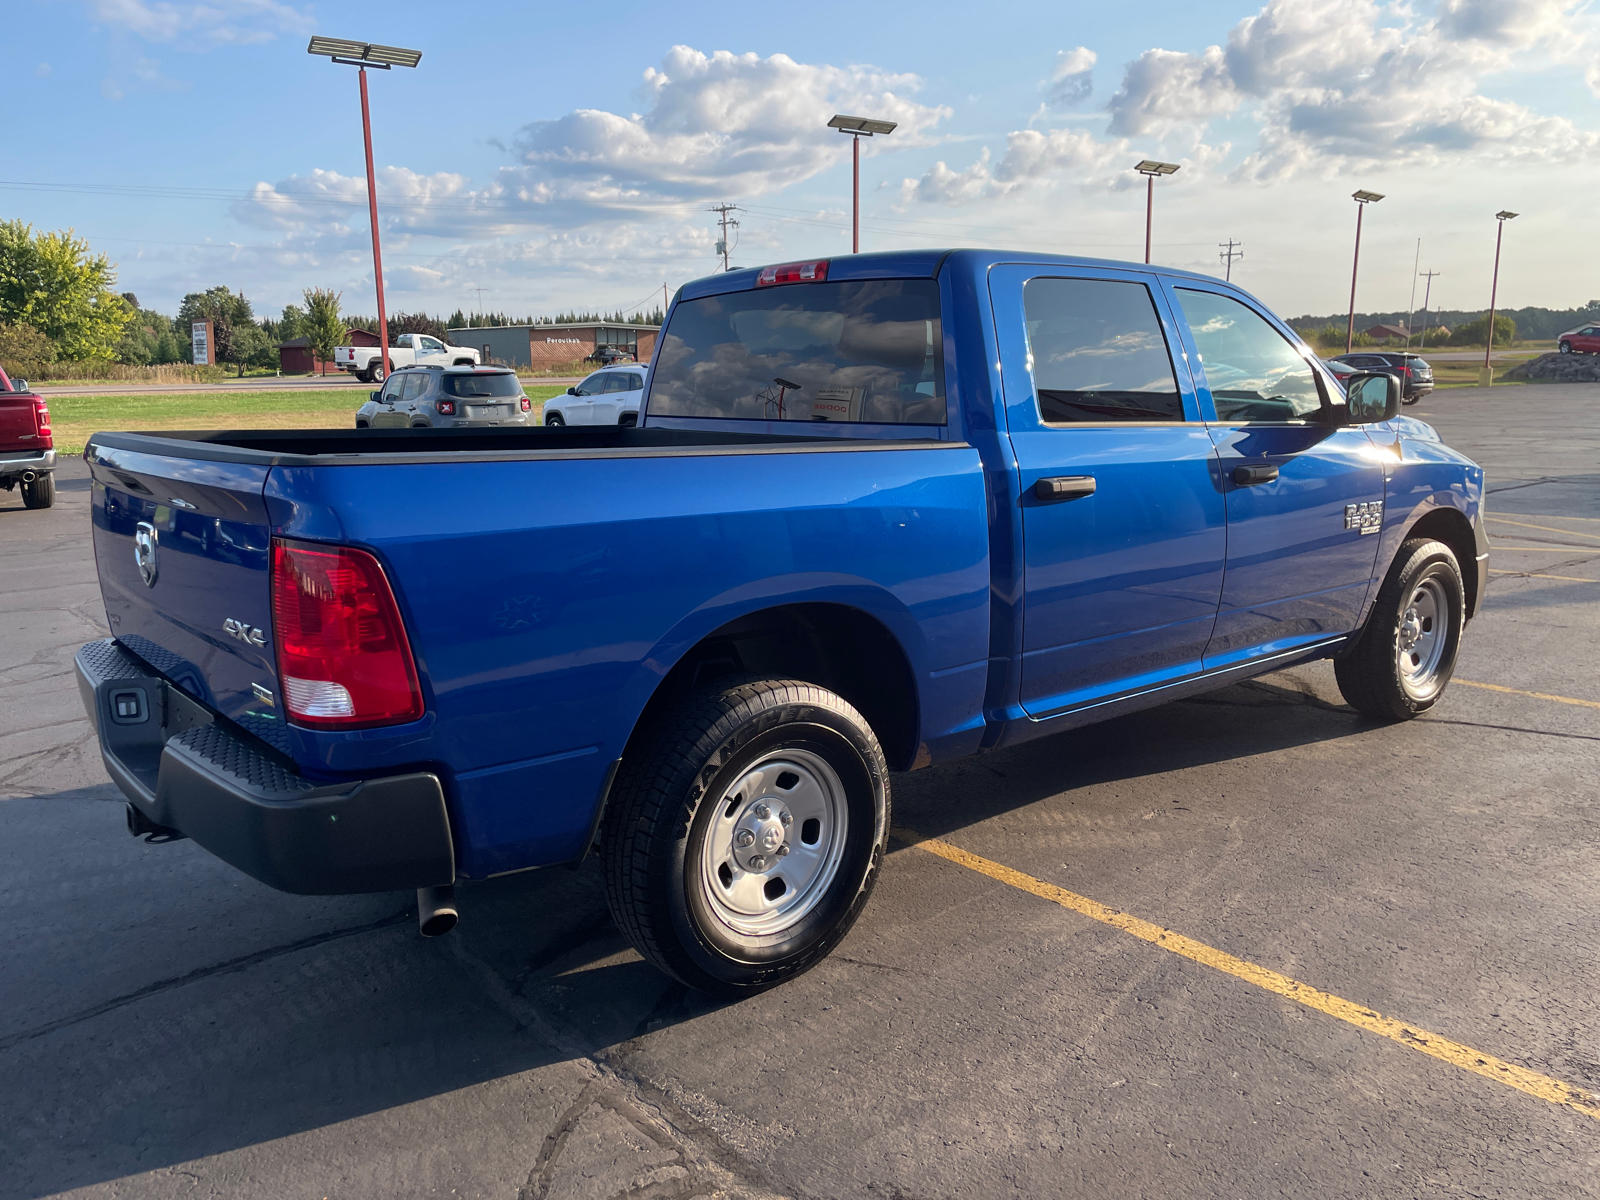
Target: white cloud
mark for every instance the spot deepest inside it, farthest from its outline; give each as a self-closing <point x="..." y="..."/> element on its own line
<point x="199" y="26"/>
<point x="1072" y="80"/>
<point x="41" y="70"/>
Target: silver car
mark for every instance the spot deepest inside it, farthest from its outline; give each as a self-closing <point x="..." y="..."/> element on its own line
<point x="447" y="398"/>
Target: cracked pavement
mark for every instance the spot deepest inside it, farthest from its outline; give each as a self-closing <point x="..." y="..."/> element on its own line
<point x="169" y="1027"/>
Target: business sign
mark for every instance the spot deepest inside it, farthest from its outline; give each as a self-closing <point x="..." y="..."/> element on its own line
<point x="201" y="341"/>
<point x="836" y="404"/>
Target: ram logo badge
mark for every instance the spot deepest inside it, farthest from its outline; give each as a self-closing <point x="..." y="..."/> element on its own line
<point x="244" y="632"/>
<point x="1368" y="517"/>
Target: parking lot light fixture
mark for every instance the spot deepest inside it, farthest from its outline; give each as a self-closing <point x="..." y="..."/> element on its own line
<point x="1150" y="168"/>
<point x="1486" y="376"/>
<point x="858" y="128"/>
<point x="1362" y="199"/>
<point x="363" y="55"/>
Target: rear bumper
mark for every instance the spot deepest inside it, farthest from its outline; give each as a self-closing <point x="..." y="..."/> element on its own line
<point x="18" y="462"/>
<point x="186" y="769"/>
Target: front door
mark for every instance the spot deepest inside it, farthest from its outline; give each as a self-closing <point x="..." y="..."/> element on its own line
<point x="1124" y="531"/>
<point x="1304" y="493"/>
<point x="389" y="412"/>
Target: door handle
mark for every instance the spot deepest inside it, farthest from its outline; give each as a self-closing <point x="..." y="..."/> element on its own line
<point x="1064" y="487"/>
<point x="1248" y="476"/>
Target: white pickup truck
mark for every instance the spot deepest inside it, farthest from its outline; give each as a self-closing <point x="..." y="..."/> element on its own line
<point x="407" y="350"/>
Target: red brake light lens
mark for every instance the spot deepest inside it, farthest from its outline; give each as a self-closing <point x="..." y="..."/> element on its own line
<point x="447" y="408"/>
<point x="800" y="272"/>
<point x="344" y="661"/>
<point x="41" y="416"/>
<point x="527" y="404"/>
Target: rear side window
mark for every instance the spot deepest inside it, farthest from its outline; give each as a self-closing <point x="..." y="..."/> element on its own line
<point x="416" y="385"/>
<point x="1098" y="352"/>
<point x="618" y="381"/>
<point x="869" y="351"/>
<point x="482" y="385"/>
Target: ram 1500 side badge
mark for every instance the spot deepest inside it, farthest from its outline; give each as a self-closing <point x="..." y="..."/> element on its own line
<point x="1368" y="517"/>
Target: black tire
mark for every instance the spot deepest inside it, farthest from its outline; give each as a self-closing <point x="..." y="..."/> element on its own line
<point x="1411" y="399"/>
<point x="376" y="373"/>
<point x="1565" y="348"/>
<point x="1375" y="677"/>
<point x="628" y="420"/>
<point x="364" y="376"/>
<point x="361" y="425"/>
<point x="668" y="800"/>
<point x="553" y="419"/>
<point x="41" y="493"/>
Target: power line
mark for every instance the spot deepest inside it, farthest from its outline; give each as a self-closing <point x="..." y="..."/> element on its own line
<point x="1228" y="255"/>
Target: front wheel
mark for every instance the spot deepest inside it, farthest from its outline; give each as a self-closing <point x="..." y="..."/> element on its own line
<point x="745" y="833"/>
<point x="41" y="493"/>
<point x="1407" y="652"/>
<point x="1565" y="347"/>
<point x="554" y="419"/>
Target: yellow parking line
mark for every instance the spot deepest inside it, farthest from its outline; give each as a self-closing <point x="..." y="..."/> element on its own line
<point x="1538" y="575"/>
<point x="1552" y="549"/>
<point x="1548" y="517"/>
<point x="1546" y="528"/>
<point x="1495" y="687"/>
<point x="1465" y="1057"/>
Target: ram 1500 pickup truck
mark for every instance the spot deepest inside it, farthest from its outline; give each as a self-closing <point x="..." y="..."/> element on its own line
<point x="880" y="513"/>
<point x="407" y="350"/>
<point x="27" y="446"/>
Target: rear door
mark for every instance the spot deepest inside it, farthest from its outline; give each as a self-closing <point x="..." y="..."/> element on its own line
<point x="1124" y="528"/>
<point x="183" y="551"/>
<point x="1301" y="490"/>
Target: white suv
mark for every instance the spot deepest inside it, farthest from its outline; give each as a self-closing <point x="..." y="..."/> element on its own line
<point x="611" y="396"/>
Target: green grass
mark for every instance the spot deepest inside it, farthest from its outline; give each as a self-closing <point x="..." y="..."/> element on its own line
<point x="75" y="418"/>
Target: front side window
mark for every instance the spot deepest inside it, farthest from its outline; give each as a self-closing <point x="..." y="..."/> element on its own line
<point x="868" y="351"/>
<point x="498" y="386"/>
<point x="1253" y="371"/>
<point x="1098" y="352"/>
<point x="592" y="386"/>
<point x="392" y="388"/>
<point x="429" y="343"/>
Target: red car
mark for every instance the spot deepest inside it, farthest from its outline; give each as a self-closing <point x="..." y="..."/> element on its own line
<point x="27" y="450"/>
<point x="1584" y="340"/>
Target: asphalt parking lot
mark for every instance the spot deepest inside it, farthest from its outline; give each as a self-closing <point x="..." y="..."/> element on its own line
<point x="1385" y="984"/>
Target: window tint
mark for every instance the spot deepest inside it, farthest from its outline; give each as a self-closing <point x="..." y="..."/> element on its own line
<point x="500" y="385"/>
<point x="857" y="351"/>
<point x="1098" y="352"/>
<point x="429" y="343"/>
<point x="1252" y="370"/>
<point x="403" y="340"/>
<point x="592" y="386"/>
<point x="635" y="382"/>
<point x="617" y="381"/>
<point x="416" y="384"/>
<point x="392" y="387"/>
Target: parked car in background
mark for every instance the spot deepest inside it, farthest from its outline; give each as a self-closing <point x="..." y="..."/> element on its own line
<point x="407" y="350"/>
<point x="1583" y="340"/>
<point x="611" y="396"/>
<point x="447" y="398"/>
<point x="27" y="448"/>
<point x="1416" y="376"/>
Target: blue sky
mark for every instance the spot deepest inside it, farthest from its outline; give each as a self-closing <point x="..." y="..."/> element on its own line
<point x="561" y="159"/>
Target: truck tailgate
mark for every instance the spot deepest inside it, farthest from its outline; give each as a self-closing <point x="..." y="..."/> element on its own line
<point x="183" y="551"/>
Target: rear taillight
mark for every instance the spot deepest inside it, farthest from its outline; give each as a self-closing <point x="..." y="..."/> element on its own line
<point x="800" y="272"/>
<point x="527" y="404"/>
<point x="343" y="658"/>
<point x="41" y="416"/>
<point x="447" y="408"/>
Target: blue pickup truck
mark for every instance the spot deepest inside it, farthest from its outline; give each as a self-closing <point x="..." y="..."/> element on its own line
<point x="880" y="512"/>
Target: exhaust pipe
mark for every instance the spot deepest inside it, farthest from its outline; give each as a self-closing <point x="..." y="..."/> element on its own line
<point x="436" y="910"/>
<point x="29" y="476"/>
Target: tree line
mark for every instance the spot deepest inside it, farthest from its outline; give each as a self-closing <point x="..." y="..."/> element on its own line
<point x="59" y="304"/>
<point x="1455" y="326"/>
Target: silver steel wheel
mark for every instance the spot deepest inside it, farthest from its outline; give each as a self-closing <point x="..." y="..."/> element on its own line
<point x="1423" y="637"/>
<point x="775" y="844"/>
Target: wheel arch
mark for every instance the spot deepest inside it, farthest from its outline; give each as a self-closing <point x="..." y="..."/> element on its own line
<point x="838" y="646"/>
<point x="1450" y="525"/>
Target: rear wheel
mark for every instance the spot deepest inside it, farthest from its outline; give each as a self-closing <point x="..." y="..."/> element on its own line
<point x="745" y="834"/>
<point x="364" y="376"/>
<point x="375" y="372"/>
<point x="1407" y="653"/>
<point x="554" y="418"/>
<point x="41" y="493"/>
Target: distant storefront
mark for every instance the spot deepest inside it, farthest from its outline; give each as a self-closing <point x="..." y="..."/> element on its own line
<point x="539" y="346"/>
<point x="296" y="357"/>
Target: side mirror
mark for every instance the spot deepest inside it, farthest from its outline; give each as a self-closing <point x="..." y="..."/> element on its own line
<point x="1370" y="396"/>
<point x="373" y="396"/>
<point x="572" y="391"/>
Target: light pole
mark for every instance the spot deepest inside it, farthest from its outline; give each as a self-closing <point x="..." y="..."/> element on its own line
<point x="858" y="128"/>
<point x="1150" y="168"/>
<point x="364" y="55"/>
<point x="1486" y="376"/>
<point x="1362" y="199"/>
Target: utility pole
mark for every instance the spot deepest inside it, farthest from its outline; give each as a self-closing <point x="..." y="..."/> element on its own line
<point x="480" y="292"/>
<point x="1228" y="255"/>
<point x="723" y="248"/>
<point x="1413" y="310"/>
<point x="663" y="300"/>
<point x="1430" y="275"/>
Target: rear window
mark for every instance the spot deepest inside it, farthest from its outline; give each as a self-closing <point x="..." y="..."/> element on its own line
<point x="471" y="386"/>
<point x="1416" y="362"/>
<point x="868" y="351"/>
